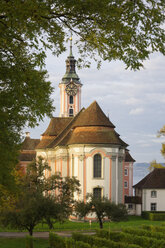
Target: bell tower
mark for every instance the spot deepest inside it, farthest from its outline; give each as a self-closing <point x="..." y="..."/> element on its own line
<point x="70" y="88"/>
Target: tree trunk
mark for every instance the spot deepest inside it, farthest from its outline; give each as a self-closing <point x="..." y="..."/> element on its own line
<point x="101" y="223"/>
<point x="31" y="231"/>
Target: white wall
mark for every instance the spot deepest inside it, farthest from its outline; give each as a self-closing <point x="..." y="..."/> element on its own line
<point x="147" y="199"/>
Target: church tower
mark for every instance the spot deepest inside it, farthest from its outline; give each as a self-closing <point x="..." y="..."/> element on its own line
<point x="70" y="88"/>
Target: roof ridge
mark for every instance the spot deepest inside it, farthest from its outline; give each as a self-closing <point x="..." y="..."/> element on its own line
<point x="55" y="125"/>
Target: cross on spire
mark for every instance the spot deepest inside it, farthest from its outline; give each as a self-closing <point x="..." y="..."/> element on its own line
<point x="71" y="54"/>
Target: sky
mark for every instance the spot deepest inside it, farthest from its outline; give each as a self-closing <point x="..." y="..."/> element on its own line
<point x="133" y="100"/>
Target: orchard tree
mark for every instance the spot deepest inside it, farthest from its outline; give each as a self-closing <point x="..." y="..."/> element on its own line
<point x="127" y="30"/>
<point x="102" y="208"/>
<point x="40" y="198"/>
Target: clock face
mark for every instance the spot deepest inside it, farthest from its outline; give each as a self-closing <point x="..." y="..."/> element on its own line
<point x="71" y="89"/>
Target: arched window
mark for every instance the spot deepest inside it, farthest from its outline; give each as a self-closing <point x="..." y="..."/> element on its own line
<point x="97" y="166"/>
<point x="97" y="193"/>
<point x="70" y="99"/>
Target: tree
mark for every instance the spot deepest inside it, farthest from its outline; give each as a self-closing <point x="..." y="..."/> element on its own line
<point x="127" y="30"/>
<point x="37" y="199"/>
<point x="154" y="164"/>
<point x="162" y="133"/>
<point x="102" y="208"/>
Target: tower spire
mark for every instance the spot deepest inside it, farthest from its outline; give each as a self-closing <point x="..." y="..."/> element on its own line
<point x="70" y="87"/>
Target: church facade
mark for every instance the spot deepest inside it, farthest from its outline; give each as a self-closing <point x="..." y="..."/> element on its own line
<point x="83" y="143"/>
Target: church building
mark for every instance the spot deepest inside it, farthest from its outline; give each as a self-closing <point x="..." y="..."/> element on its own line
<point x="83" y="143"/>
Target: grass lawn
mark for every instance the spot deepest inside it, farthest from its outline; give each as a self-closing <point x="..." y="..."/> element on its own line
<point x="133" y="221"/>
<point x="20" y="243"/>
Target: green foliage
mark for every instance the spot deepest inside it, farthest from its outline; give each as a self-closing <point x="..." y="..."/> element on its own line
<point x="132" y="238"/>
<point x="142" y="232"/>
<point x="154" y="165"/>
<point x="20" y="243"/>
<point x="71" y="243"/>
<point x="162" y="133"/>
<point x="37" y="200"/>
<point x="55" y="241"/>
<point x="153" y="216"/>
<point x="101" y="242"/>
<point x="154" y="228"/>
<point x="29" y="242"/>
<point x="102" y="208"/>
<point x="58" y="242"/>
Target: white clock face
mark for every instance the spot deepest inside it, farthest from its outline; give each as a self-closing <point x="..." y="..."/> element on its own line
<point x="71" y="89"/>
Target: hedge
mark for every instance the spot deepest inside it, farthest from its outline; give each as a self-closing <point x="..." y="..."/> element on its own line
<point x="55" y="241"/>
<point x="29" y="241"/>
<point x="154" y="228"/>
<point x="100" y="242"/>
<point x="58" y="242"/>
<point x="153" y="215"/>
<point x="132" y="239"/>
<point x="143" y="232"/>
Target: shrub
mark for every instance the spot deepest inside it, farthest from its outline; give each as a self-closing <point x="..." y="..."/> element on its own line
<point x="69" y="243"/>
<point x="29" y="241"/>
<point x="154" y="228"/>
<point x="143" y="232"/>
<point x="81" y="244"/>
<point x="153" y="216"/>
<point x="145" y="215"/>
<point x="55" y="241"/>
<point x="132" y="239"/>
<point x="100" y="242"/>
<point x="158" y="216"/>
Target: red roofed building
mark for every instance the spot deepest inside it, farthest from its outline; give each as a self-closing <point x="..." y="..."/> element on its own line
<point x="83" y="143"/>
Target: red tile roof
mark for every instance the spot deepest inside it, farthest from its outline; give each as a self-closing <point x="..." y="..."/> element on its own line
<point x="154" y="180"/>
<point x="45" y="142"/>
<point x="28" y="147"/>
<point x="93" y="116"/>
<point x="29" y="144"/>
<point x="56" y="125"/>
<point x="27" y="156"/>
<point x="89" y="126"/>
<point x="128" y="157"/>
<point x="92" y="135"/>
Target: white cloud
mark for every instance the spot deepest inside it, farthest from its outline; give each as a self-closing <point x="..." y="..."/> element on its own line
<point x="136" y="111"/>
<point x="133" y="101"/>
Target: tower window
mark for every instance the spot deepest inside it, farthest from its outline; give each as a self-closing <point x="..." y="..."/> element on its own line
<point x="97" y="193"/>
<point x="97" y="166"/>
<point x="70" y="112"/>
<point x="70" y="99"/>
